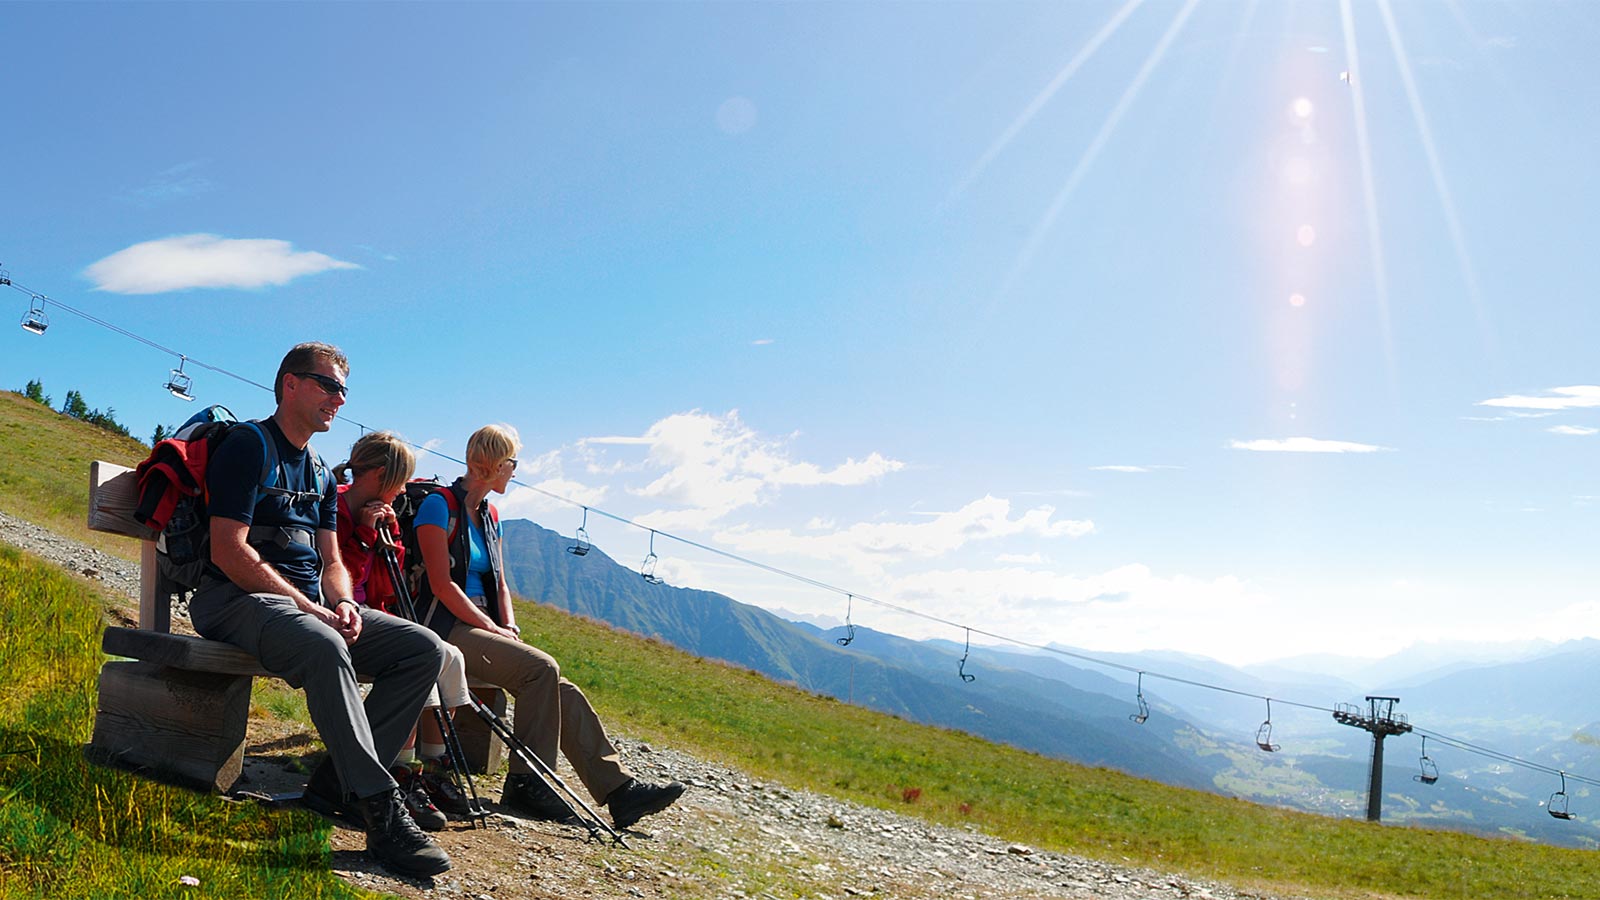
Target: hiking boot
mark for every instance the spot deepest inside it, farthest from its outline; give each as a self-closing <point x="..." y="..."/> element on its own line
<point x="637" y="799"/>
<point x="394" y="840"/>
<point x="435" y="779"/>
<point x="529" y="795"/>
<point x="423" y="812"/>
<point x="324" y="796"/>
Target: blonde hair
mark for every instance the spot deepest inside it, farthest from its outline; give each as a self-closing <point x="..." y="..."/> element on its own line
<point x="488" y="447"/>
<point x="379" y="450"/>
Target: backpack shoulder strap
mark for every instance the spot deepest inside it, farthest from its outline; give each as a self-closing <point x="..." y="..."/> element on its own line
<point x="269" y="453"/>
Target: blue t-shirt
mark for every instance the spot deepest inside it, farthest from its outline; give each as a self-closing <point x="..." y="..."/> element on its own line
<point x="233" y="483"/>
<point x="435" y="511"/>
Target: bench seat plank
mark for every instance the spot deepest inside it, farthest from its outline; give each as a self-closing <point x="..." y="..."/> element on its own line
<point x="180" y="651"/>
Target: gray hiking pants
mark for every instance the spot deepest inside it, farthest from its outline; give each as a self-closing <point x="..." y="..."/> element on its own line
<point x="402" y="658"/>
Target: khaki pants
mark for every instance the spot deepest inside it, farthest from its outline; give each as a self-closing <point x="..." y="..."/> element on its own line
<point x="551" y="712"/>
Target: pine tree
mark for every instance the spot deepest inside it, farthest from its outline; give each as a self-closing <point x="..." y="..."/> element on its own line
<point x="75" y="406"/>
<point x="35" y="392"/>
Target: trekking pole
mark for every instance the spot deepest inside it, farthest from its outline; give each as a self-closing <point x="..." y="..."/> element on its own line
<point x="460" y="773"/>
<point x="460" y="770"/>
<point x="590" y="819"/>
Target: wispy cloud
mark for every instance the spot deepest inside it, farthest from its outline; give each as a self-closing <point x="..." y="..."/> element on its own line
<point x="1572" y="429"/>
<point x="385" y="256"/>
<point x="872" y="546"/>
<point x="761" y="342"/>
<point x="1132" y="469"/>
<point x="1304" y="445"/>
<point x="206" y="261"/>
<point x="712" y="465"/>
<point x="1578" y="396"/>
<point x="173" y="184"/>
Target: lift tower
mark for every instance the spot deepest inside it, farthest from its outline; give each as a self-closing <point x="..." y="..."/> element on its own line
<point x="1380" y="719"/>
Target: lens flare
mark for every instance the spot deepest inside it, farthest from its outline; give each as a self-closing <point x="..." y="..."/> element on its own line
<point x="1306" y="235"/>
<point x="1297" y="300"/>
<point x="1301" y="108"/>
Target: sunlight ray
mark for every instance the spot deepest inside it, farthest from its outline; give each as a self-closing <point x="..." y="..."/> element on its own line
<point x="1225" y="79"/>
<point x="1090" y="154"/>
<point x="1369" y="194"/>
<point x="1043" y="97"/>
<point x="1440" y="185"/>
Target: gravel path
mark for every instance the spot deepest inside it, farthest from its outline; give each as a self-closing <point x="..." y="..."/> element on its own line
<point x="729" y="837"/>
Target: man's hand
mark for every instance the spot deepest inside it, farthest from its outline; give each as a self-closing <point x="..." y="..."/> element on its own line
<point x="344" y="618"/>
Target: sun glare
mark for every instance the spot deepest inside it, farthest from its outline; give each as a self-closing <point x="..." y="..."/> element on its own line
<point x="1306" y="235"/>
<point x="1301" y="108"/>
<point x="1297" y="300"/>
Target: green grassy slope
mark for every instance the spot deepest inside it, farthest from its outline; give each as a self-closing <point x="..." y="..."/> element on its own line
<point x="44" y="469"/>
<point x="649" y="690"/>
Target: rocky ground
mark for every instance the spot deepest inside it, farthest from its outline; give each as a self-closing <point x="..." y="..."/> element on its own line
<point x="729" y="837"/>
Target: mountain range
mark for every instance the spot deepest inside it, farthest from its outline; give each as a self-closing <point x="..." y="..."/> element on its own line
<point x="1204" y="715"/>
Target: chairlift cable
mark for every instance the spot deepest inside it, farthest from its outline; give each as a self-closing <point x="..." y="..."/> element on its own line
<point x="1457" y="743"/>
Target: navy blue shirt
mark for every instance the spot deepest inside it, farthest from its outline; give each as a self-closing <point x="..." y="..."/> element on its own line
<point x="234" y="481"/>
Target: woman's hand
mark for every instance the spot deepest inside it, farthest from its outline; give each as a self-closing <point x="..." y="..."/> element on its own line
<point x="373" y="513"/>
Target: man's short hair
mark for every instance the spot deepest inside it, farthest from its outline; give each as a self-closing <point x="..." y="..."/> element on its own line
<point x="302" y="357"/>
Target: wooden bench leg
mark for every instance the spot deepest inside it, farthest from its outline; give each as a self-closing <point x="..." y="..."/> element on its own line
<point x="484" y="751"/>
<point x="181" y="726"/>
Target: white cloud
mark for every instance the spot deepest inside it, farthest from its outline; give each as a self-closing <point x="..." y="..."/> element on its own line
<point x="1119" y="468"/>
<point x="761" y="342"/>
<point x="1572" y="429"/>
<point x="1128" y="608"/>
<point x="1578" y="396"/>
<point x="1020" y="559"/>
<point x="206" y="261"/>
<point x="871" y="546"/>
<point x="716" y="464"/>
<point x="1304" y="445"/>
<point x="522" y="502"/>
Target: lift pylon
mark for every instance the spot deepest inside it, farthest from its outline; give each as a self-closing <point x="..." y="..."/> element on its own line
<point x="1381" y="720"/>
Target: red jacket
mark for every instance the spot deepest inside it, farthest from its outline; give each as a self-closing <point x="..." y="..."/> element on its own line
<point x="369" y="577"/>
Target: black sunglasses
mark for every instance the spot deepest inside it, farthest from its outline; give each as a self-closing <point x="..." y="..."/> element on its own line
<point x="327" y="384"/>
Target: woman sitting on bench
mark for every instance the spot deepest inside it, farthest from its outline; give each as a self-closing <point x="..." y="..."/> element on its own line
<point x="465" y="601"/>
<point x="380" y="464"/>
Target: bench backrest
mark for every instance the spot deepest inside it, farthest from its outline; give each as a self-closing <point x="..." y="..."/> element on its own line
<point x="113" y="494"/>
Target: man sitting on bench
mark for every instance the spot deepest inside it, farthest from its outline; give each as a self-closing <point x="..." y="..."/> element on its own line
<point x="277" y="588"/>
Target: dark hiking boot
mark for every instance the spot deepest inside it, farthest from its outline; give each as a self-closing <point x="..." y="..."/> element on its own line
<point x="396" y="841"/>
<point x="324" y="796"/>
<point x="423" y="812"/>
<point x="530" y="796"/>
<point x="444" y="793"/>
<point x="637" y="799"/>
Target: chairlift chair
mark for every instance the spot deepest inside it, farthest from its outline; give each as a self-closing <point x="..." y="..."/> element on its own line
<point x="1430" y="772"/>
<point x="178" y="383"/>
<point x="849" y="626"/>
<point x="581" y="548"/>
<point x="961" y="667"/>
<point x="1264" y="733"/>
<point x="1557" y="807"/>
<point x="648" y="567"/>
<point x="1140" y="717"/>
<point x="5" y="277"/>
<point x="35" y="319"/>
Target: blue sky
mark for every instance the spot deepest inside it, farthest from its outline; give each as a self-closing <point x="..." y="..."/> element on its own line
<point x="1246" y="329"/>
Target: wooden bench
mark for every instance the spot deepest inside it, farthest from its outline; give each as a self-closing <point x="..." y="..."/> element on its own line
<point x="176" y="706"/>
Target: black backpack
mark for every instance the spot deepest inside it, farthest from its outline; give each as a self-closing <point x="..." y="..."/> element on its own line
<point x="405" y="513"/>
